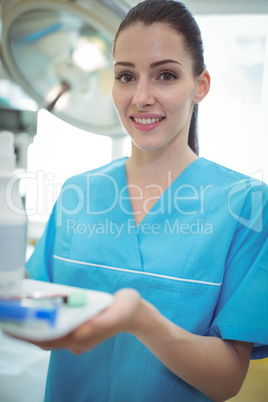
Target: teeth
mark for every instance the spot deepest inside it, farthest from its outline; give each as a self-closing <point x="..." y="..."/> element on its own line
<point x="146" y="121"/>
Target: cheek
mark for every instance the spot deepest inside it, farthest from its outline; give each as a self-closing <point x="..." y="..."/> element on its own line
<point x="173" y="102"/>
<point x="118" y="100"/>
<point x="178" y="101"/>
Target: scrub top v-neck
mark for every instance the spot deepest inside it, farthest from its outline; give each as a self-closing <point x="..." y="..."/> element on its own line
<point x="199" y="256"/>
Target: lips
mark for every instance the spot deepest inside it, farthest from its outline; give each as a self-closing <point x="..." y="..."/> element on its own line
<point x="147" y="123"/>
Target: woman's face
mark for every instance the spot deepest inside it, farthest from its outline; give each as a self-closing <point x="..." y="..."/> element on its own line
<point x="154" y="88"/>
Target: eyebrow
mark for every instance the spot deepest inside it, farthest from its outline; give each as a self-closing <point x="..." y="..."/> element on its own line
<point x="152" y="65"/>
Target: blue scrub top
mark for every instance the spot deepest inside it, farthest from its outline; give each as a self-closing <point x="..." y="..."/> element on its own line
<point x="200" y="256"/>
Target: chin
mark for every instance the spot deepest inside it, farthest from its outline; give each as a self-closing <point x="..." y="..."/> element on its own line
<point x="147" y="147"/>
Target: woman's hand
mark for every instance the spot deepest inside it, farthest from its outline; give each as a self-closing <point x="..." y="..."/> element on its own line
<point x="121" y="316"/>
<point x="215" y="367"/>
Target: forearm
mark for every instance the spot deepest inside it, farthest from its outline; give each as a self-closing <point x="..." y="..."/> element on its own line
<point x="208" y="363"/>
<point x="215" y="367"/>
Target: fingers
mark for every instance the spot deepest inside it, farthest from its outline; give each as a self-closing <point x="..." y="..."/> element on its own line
<point x="59" y="343"/>
<point x="119" y="317"/>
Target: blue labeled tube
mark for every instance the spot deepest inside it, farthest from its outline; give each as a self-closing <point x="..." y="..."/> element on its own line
<point x="15" y="312"/>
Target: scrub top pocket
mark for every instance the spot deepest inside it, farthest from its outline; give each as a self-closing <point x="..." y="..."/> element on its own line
<point x="184" y="304"/>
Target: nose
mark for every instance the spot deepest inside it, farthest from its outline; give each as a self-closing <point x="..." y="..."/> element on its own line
<point x="143" y="96"/>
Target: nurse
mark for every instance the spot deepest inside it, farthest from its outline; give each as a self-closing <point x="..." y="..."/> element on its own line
<point x="180" y="241"/>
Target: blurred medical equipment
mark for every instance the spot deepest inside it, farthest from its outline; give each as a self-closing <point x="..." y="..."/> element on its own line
<point x="13" y="222"/>
<point x="59" y="52"/>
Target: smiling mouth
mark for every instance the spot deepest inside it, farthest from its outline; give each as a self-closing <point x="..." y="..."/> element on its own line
<point x="147" y="121"/>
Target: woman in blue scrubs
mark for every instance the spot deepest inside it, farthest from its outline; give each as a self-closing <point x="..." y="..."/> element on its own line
<point x="180" y="241"/>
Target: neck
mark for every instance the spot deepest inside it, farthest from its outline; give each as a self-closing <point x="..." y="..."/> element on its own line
<point x="156" y="166"/>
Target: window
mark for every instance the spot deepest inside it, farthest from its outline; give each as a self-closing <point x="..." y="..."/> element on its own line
<point x="233" y="119"/>
<point x="59" y="151"/>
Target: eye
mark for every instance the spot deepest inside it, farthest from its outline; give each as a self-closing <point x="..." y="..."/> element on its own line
<point x="167" y="76"/>
<point x="124" y="78"/>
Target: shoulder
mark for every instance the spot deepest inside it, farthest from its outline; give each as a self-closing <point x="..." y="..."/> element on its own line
<point x="221" y="173"/>
<point x="225" y="178"/>
<point x="245" y="197"/>
<point x="111" y="170"/>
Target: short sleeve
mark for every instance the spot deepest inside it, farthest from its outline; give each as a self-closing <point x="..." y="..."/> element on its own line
<point x="39" y="265"/>
<point x="70" y="200"/>
<point x="242" y="309"/>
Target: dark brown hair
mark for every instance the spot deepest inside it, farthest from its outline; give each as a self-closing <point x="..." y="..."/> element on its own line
<point x="178" y="17"/>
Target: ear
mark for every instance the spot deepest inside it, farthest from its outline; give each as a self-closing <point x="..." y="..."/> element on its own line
<point x="203" y="86"/>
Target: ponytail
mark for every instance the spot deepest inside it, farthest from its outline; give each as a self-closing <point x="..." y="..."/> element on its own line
<point x="193" y="132"/>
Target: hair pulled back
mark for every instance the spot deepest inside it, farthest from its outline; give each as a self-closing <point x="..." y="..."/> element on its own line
<point x="177" y="16"/>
